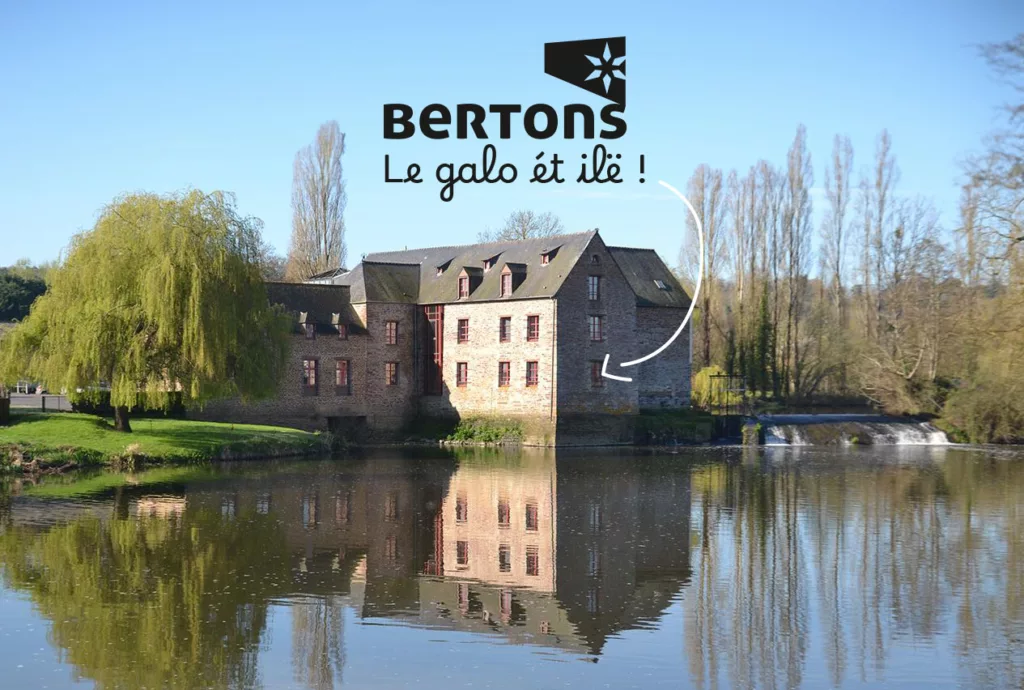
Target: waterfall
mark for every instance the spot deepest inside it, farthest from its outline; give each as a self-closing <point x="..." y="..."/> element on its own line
<point x="807" y="430"/>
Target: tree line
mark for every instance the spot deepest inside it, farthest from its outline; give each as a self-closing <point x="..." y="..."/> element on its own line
<point x="878" y="300"/>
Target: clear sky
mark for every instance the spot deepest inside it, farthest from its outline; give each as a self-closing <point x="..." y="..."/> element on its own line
<point x="98" y="101"/>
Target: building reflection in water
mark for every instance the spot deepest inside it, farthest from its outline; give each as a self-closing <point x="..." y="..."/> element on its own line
<point x="176" y="583"/>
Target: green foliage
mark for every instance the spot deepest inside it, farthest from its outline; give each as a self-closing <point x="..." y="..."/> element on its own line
<point x="703" y="394"/>
<point x="487" y="430"/>
<point x="984" y="413"/>
<point x="17" y="293"/>
<point x="163" y="291"/>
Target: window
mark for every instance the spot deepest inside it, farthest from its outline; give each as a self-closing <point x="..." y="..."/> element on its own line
<point x="506" y="284"/>
<point x="463" y="331"/>
<point x="595" y="517"/>
<point x="660" y="284"/>
<point x="461" y="509"/>
<point x="504" y="558"/>
<point x="391" y="373"/>
<point x="440" y="270"/>
<point x="504" y="513"/>
<point x="341" y="376"/>
<point x="596" y="379"/>
<point x="310" y="510"/>
<point x="391" y="548"/>
<point x="595" y="259"/>
<point x="545" y="259"/>
<point x="505" y="329"/>
<point x="461" y="373"/>
<point x="596" y="328"/>
<point x="593" y="562"/>
<point x="506" y="605"/>
<point x="310" y="330"/>
<point x="531" y="517"/>
<point x="343" y="508"/>
<point x="593" y="601"/>
<point x="342" y="331"/>
<point x="531" y="373"/>
<point x="462" y="553"/>
<point x="489" y="263"/>
<point x="504" y="373"/>
<point x="593" y="287"/>
<point x="263" y="504"/>
<point x="391" y="507"/>
<point x="463" y="287"/>
<point x="532" y="561"/>
<point x="391" y="332"/>
<point x="532" y="328"/>
<point x="309" y="367"/>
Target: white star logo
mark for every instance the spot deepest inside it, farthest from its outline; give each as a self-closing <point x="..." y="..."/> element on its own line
<point x="607" y="68"/>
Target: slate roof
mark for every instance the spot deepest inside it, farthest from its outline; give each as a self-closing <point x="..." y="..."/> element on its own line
<point x="379" y="281"/>
<point x="323" y="305"/>
<point x="539" y="281"/>
<point x="642" y="267"/>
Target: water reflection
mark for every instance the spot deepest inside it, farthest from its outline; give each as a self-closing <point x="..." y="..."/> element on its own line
<point x="711" y="568"/>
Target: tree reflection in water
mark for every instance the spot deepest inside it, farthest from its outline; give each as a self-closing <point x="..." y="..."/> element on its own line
<point x="767" y="560"/>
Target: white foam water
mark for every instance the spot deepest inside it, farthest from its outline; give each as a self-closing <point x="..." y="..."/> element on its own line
<point x="846" y="430"/>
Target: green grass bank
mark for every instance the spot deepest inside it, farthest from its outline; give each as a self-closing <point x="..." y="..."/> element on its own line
<point x="58" y="441"/>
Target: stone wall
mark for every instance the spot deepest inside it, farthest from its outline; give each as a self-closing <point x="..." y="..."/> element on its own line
<point x="481" y="395"/>
<point x="617" y="304"/>
<point x="665" y="379"/>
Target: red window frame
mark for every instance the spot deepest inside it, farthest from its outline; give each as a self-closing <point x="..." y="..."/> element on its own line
<point x="532" y="517"/>
<point x="342" y="331"/>
<point x="506" y="284"/>
<point x="532" y="561"/>
<point x="391" y="332"/>
<point x="391" y="373"/>
<point x="533" y="328"/>
<point x="532" y="373"/>
<point x="309" y="372"/>
<point x="596" y="328"/>
<point x="462" y="553"/>
<point x="504" y="329"/>
<point x="596" y="378"/>
<point x="461" y="373"/>
<point x="593" y="288"/>
<point x="463" y="331"/>
<point x="504" y="374"/>
<point x="342" y="366"/>
<point x="545" y="259"/>
<point x="463" y="287"/>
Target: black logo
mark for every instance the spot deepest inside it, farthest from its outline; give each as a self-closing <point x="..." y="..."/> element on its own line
<point x="597" y="65"/>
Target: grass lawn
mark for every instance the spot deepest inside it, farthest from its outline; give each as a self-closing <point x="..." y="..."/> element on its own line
<point x="91" y="439"/>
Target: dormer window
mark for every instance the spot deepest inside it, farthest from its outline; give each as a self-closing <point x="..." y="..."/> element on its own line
<point x="310" y="330"/>
<point x="440" y="270"/>
<point x="342" y="332"/>
<point x="488" y="263"/>
<point x="545" y="259"/>
<point x="506" y="284"/>
<point x="464" y="287"/>
<point x="660" y="284"/>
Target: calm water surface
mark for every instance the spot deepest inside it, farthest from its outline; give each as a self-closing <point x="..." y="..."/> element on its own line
<point x="710" y="568"/>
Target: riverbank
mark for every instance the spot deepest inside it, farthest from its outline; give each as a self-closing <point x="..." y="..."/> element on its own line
<point x="56" y="442"/>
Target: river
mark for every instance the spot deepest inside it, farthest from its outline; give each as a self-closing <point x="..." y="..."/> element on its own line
<point x="706" y="568"/>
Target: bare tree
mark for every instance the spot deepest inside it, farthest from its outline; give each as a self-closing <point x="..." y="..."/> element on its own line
<point x="318" y="205"/>
<point x="523" y="225"/>
<point x="834" y="234"/>
<point x="708" y="198"/>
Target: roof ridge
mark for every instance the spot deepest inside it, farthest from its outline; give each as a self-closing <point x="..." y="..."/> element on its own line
<point x="484" y="244"/>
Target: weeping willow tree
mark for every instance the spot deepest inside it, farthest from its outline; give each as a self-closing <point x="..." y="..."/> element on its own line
<point x="163" y="294"/>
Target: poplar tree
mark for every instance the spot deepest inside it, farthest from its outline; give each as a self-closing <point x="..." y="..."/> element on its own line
<point x="163" y="294"/>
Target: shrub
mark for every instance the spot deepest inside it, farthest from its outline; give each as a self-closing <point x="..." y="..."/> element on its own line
<point x="487" y="430"/>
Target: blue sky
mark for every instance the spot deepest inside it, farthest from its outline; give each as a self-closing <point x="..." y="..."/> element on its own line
<point x="104" y="100"/>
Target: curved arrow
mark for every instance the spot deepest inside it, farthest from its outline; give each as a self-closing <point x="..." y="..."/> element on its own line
<point x="693" y="300"/>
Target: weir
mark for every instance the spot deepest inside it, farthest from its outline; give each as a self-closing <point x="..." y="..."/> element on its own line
<point x="848" y="429"/>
